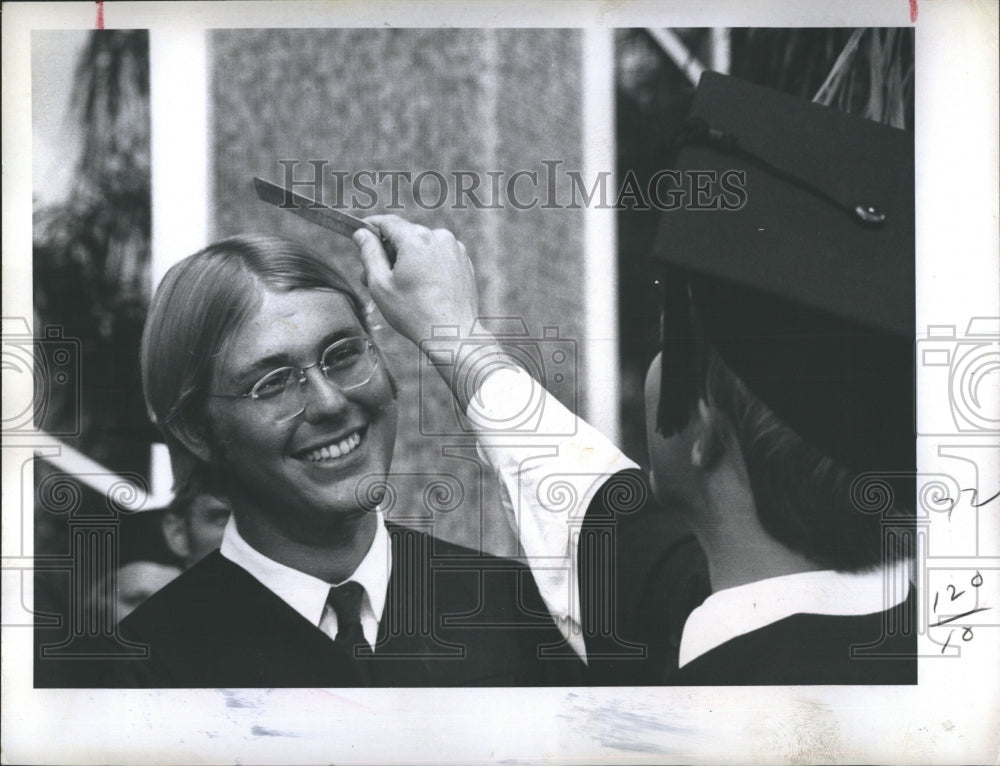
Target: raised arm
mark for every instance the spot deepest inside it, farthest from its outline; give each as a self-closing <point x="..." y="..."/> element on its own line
<point x="432" y="284"/>
<point x="551" y="473"/>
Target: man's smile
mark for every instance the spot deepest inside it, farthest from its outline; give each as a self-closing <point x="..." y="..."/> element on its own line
<point x="332" y="449"/>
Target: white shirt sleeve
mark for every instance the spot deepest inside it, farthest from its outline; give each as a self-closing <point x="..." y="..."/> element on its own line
<point x="550" y="465"/>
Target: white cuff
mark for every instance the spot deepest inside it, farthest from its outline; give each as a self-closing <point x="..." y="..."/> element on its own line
<point x="550" y="464"/>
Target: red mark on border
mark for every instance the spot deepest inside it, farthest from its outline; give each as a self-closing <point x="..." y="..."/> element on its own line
<point x="100" y="13"/>
<point x="913" y="11"/>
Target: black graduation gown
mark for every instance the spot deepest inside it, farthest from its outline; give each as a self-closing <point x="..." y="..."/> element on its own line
<point x="647" y="572"/>
<point x="641" y="574"/>
<point x="452" y="617"/>
<point x="878" y="648"/>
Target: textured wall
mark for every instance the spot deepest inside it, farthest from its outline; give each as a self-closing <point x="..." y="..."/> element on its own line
<point x="415" y="100"/>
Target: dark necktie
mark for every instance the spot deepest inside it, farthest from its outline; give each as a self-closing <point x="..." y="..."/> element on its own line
<point x="346" y="603"/>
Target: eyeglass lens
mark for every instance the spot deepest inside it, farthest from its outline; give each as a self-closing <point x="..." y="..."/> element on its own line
<point x="347" y="364"/>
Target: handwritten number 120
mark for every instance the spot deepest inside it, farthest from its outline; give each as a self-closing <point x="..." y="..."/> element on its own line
<point x="975" y="582"/>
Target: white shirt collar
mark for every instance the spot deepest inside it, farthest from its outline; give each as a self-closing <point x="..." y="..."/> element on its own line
<point x="307" y="594"/>
<point x="732" y="612"/>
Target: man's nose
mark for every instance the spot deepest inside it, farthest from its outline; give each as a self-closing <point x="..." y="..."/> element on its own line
<point x="321" y="398"/>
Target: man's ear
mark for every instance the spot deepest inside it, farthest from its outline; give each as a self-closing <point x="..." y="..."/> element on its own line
<point x="194" y="438"/>
<point x="175" y="534"/>
<point x="710" y="437"/>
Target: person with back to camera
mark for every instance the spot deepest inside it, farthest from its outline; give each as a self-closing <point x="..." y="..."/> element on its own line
<point x="783" y="394"/>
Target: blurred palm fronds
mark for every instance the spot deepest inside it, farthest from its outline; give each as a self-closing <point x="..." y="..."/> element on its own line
<point x="91" y="251"/>
<point x="868" y="71"/>
<point x="100" y="234"/>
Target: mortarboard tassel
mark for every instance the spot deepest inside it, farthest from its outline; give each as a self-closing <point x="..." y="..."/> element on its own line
<point x="680" y="382"/>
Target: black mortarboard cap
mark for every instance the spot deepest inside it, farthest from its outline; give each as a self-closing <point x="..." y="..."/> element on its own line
<point x="806" y="291"/>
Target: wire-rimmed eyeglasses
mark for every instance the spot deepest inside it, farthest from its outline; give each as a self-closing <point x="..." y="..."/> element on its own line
<point x="280" y="395"/>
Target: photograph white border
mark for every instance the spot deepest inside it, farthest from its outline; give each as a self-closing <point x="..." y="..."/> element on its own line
<point x="950" y="717"/>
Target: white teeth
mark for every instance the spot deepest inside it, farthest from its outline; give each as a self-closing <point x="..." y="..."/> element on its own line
<point x="331" y="451"/>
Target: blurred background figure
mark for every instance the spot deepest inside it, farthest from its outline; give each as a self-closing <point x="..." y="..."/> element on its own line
<point x="193" y="526"/>
<point x="145" y="563"/>
<point x="156" y="546"/>
<point x="126" y="563"/>
<point x="138" y="580"/>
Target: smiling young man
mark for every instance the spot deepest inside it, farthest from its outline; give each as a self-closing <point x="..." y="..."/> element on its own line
<point x="291" y="453"/>
<point x="260" y="370"/>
